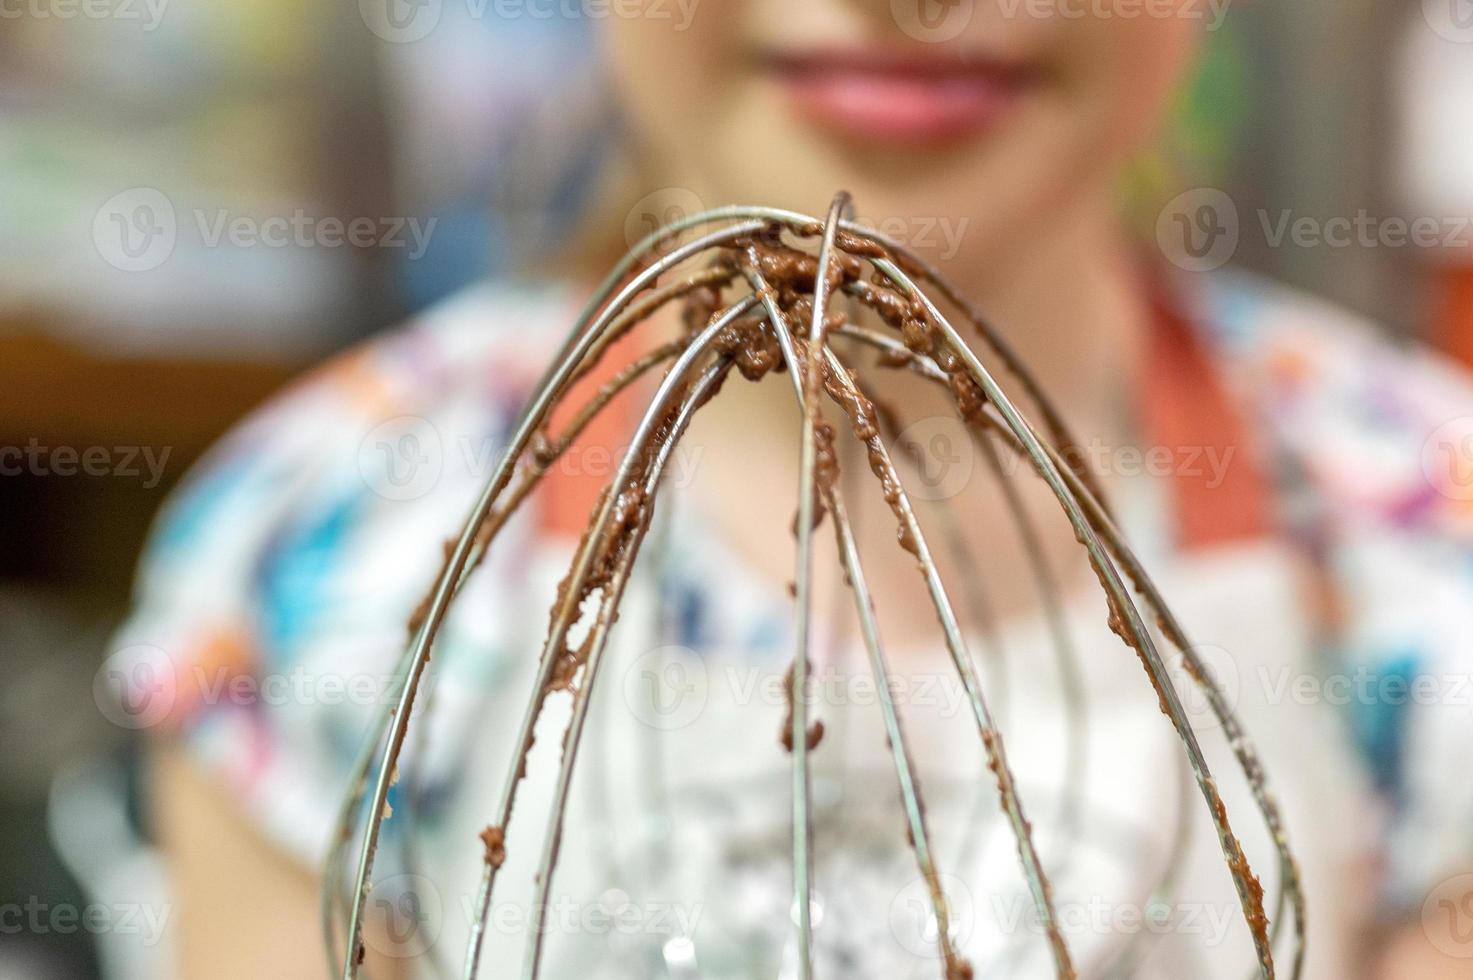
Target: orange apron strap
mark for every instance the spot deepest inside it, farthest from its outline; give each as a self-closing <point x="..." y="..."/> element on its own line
<point x="1453" y="328"/>
<point x="570" y="491"/>
<point x="1219" y="493"/>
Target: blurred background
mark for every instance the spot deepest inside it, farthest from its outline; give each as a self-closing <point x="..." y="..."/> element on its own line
<point x="160" y="158"/>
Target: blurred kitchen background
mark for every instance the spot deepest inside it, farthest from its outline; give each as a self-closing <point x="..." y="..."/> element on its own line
<point x="132" y="340"/>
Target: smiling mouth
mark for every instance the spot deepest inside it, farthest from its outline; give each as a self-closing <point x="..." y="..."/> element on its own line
<point x="879" y="96"/>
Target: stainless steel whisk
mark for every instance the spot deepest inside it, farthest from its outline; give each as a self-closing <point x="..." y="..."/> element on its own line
<point x="783" y="318"/>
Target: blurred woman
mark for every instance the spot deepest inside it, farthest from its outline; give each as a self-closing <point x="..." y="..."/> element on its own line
<point x="1280" y="467"/>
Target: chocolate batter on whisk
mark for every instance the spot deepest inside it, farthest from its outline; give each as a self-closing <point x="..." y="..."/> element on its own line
<point x="761" y="292"/>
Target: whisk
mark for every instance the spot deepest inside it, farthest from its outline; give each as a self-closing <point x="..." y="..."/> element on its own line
<point x="759" y="287"/>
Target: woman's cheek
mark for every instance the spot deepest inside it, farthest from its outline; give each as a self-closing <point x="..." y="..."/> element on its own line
<point x="669" y="73"/>
<point x="1118" y="74"/>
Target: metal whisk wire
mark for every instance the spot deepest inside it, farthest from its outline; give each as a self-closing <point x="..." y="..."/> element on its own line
<point x="787" y="286"/>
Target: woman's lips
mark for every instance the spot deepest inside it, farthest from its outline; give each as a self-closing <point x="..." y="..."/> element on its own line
<point x="878" y="97"/>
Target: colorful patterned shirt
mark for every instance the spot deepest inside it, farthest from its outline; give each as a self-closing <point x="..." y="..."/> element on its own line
<point x="272" y="606"/>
